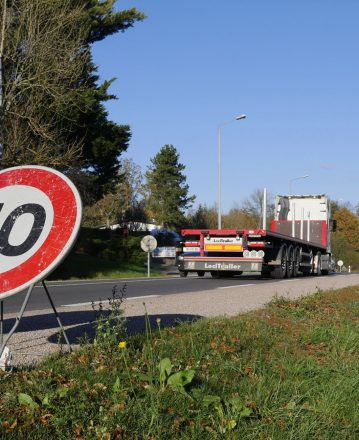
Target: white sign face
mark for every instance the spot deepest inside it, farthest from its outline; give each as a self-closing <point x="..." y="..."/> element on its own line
<point x="340" y="263"/>
<point x="40" y="215"/>
<point x="148" y="243"/>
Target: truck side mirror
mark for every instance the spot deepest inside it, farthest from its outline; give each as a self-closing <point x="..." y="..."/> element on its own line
<point x="333" y="225"/>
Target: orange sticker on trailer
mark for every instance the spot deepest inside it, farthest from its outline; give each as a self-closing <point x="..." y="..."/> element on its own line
<point x="224" y="247"/>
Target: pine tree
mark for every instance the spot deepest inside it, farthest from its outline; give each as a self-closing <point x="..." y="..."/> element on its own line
<point x="51" y="101"/>
<point x="166" y="189"/>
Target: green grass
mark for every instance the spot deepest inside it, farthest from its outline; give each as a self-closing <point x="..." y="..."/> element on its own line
<point x="289" y="371"/>
<point x="92" y="267"/>
<point x="100" y="254"/>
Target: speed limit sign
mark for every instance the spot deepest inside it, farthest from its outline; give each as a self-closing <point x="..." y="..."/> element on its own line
<point x="40" y="216"/>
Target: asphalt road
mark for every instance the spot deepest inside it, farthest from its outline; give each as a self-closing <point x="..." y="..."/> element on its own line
<point x="78" y="293"/>
<point x="173" y="299"/>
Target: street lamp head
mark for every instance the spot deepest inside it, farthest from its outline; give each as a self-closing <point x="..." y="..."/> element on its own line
<point x="241" y="117"/>
<point x="237" y="118"/>
<point x="300" y="177"/>
<point x="296" y="178"/>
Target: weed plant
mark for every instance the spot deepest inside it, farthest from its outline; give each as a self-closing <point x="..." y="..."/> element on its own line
<point x="109" y="323"/>
<point x="289" y="371"/>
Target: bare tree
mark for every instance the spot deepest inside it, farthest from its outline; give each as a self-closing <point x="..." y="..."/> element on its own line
<point x="42" y="57"/>
<point x="253" y="206"/>
<point x="104" y="212"/>
<point x="131" y="183"/>
<point x="122" y="205"/>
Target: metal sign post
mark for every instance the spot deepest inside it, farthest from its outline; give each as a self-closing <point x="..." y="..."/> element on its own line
<point x="148" y="244"/>
<point x="3" y="341"/>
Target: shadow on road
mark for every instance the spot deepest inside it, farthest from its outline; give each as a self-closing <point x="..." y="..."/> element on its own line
<point x="82" y="324"/>
<point x="134" y="324"/>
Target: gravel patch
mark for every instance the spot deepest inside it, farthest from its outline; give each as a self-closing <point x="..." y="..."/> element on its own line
<point x="38" y="333"/>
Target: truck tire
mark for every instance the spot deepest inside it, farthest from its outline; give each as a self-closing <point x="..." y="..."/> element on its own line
<point x="201" y="273"/>
<point x="308" y="270"/>
<point x="290" y="262"/>
<point x="296" y="265"/>
<point x="183" y="273"/>
<point x="215" y="274"/>
<point x="280" y="271"/>
<point x="327" y="271"/>
<point x="318" y="263"/>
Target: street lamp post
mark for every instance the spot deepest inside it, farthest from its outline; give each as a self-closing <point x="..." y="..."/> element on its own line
<point x="220" y="168"/>
<point x="296" y="178"/>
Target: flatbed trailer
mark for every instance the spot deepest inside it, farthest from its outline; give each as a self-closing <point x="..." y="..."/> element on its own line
<point x="279" y="252"/>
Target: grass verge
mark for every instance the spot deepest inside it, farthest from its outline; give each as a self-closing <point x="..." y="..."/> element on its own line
<point x="289" y="371"/>
<point x="77" y="267"/>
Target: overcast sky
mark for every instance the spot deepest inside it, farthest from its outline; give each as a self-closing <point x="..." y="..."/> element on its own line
<point x="291" y="66"/>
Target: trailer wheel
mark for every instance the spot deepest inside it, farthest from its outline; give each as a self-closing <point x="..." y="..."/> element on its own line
<point x="290" y="262"/>
<point x="318" y="264"/>
<point x="310" y="270"/>
<point x="280" y="271"/>
<point x="200" y="273"/>
<point x="183" y="273"/>
<point x="296" y="265"/>
<point x="215" y="274"/>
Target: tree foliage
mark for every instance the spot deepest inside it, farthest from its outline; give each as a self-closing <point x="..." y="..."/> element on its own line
<point x="41" y="66"/>
<point x="239" y="219"/>
<point x="203" y="217"/>
<point x="348" y="227"/>
<point x="345" y="241"/>
<point x="247" y="216"/>
<point x="235" y="218"/>
<point x="105" y="212"/>
<point x="166" y="190"/>
<point x="51" y="102"/>
<point x="123" y="204"/>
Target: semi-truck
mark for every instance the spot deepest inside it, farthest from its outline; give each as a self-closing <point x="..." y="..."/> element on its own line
<point x="297" y="243"/>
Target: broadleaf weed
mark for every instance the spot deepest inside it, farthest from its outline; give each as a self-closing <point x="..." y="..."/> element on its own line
<point x="110" y="322"/>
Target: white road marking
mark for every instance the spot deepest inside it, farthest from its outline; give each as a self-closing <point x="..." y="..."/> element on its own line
<point x="288" y="281"/>
<point x="105" y="300"/>
<point x="237" y="285"/>
<point x="142" y="297"/>
<point x="105" y="282"/>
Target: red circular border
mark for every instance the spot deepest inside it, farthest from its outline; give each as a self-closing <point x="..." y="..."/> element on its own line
<point x="65" y="214"/>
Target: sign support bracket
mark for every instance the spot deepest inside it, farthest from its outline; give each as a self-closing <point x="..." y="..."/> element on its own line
<point x="3" y="341"/>
<point x="1" y="322"/>
<point x="56" y="315"/>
